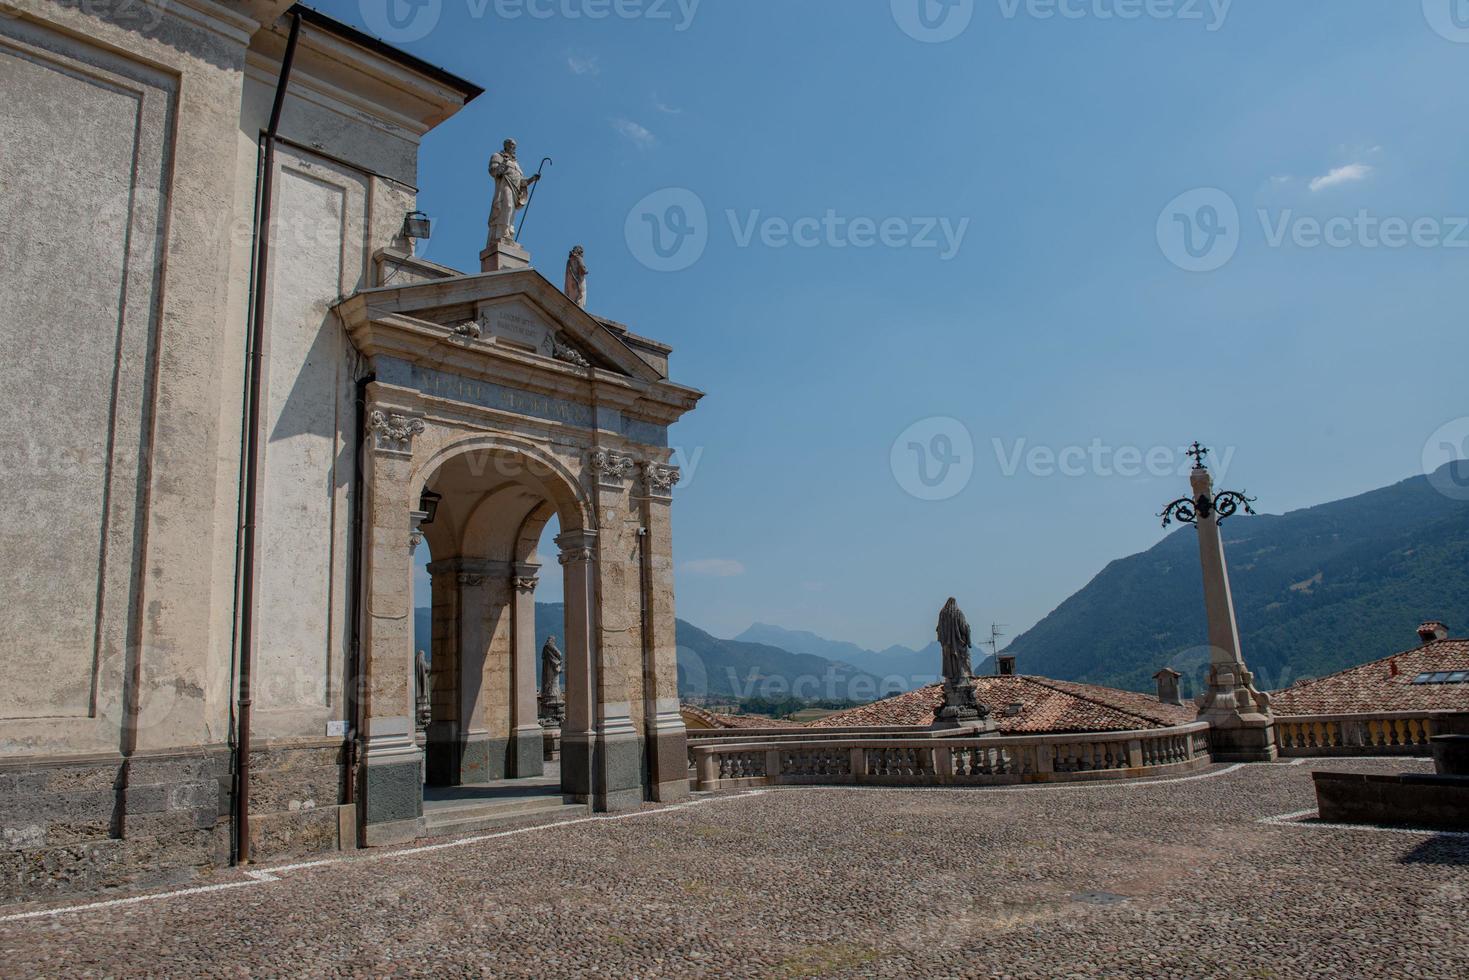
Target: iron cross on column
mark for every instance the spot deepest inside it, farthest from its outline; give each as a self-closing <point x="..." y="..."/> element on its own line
<point x="1190" y="510"/>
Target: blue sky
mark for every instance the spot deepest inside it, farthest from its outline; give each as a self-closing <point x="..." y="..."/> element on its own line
<point x="1075" y="161"/>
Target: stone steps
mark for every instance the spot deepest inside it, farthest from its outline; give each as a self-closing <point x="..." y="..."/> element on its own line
<point x="469" y="817"/>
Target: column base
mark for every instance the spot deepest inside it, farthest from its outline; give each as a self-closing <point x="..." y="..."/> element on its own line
<point x="605" y="772"/>
<point x="393" y="786"/>
<point x="526" y="753"/>
<point x="1242" y="741"/>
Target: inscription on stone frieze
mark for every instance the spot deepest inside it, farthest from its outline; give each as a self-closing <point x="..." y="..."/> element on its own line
<point x="516" y="325"/>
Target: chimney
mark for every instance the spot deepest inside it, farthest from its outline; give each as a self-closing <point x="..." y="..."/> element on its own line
<point x="1433" y="630"/>
<point x="1006" y="666"/>
<point x="1167" y="679"/>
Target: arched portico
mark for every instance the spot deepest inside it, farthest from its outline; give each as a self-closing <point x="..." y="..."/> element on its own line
<point x="509" y="437"/>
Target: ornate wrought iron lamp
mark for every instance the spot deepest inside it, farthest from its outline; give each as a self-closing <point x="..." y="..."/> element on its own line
<point x="415" y="225"/>
<point x="428" y="506"/>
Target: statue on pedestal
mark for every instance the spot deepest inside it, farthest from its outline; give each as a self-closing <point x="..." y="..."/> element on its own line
<point x="961" y="707"/>
<point x="576" y="277"/>
<point x="512" y="192"/>
<point x="552" y="705"/>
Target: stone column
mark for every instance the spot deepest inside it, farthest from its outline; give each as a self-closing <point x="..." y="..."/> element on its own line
<point x="578" y="550"/>
<point x="620" y="659"/>
<point x="526" y="752"/>
<point x="392" y="786"/>
<point x="443" y="731"/>
<point x="663" y="725"/>
<point x="485" y="671"/>
<point x="1243" y="725"/>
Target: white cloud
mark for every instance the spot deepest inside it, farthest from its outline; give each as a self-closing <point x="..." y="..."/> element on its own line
<point x="634" y="132"/>
<point x="667" y="109"/>
<point x="715" y="567"/>
<point x="583" y="65"/>
<point x="1349" y="174"/>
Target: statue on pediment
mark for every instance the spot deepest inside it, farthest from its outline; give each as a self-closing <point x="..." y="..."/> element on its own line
<point x="576" y="276"/>
<point x="512" y="192"/>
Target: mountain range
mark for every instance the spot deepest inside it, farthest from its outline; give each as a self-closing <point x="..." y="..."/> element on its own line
<point x="1315" y="590"/>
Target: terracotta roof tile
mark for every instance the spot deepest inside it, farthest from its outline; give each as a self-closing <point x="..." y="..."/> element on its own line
<point x="1373" y="687"/>
<point x="1045" y="706"/>
<point x="715" y="720"/>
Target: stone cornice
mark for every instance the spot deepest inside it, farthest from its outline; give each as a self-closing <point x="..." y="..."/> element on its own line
<point x="427" y="344"/>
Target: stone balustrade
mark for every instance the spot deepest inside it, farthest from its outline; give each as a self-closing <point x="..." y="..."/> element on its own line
<point x="1385" y="733"/>
<point x="998" y="760"/>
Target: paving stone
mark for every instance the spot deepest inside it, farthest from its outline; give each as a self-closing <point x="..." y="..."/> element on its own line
<point x="1173" y="878"/>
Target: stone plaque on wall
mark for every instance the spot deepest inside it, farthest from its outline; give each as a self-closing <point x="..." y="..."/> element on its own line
<point x="516" y="325"/>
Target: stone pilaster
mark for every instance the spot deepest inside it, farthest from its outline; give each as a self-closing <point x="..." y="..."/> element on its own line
<point x="663" y="725"/>
<point x="1243" y="725"/>
<point x="392" y="786"/>
<point x="526" y="752"/>
<point x="577" y="556"/>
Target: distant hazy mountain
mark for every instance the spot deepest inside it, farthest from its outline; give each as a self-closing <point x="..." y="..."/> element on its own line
<point x="708" y="665"/>
<point x="1315" y="590"/>
<point x="900" y="666"/>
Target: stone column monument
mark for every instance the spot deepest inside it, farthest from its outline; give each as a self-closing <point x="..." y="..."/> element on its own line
<point x="1243" y="727"/>
<point x="961" y="707"/>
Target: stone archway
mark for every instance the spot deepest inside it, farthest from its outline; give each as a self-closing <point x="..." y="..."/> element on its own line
<point x="495" y="500"/>
<point x="622" y="741"/>
<point x="561" y="412"/>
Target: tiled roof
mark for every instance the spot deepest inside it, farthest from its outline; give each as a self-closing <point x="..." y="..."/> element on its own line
<point x="1045" y="706"/>
<point x="714" y="720"/>
<point x="1373" y="687"/>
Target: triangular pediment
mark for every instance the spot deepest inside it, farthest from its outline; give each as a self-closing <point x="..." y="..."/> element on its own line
<point x="520" y="311"/>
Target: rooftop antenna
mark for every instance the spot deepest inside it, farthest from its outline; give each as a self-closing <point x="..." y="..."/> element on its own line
<point x="997" y="630"/>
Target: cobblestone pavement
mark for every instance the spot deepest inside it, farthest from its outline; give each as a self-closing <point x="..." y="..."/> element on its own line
<point x="1171" y="879"/>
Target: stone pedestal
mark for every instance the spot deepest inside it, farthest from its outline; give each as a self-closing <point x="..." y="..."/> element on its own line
<point x="961" y="709"/>
<point x="503" y="256"/>
<point x="551" y="744"/>
<point x="1243" y="726"/>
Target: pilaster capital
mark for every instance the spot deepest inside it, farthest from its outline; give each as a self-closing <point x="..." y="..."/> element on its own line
<point x="659" y="479"/>
<point x="578" y="546"/>
<point x="611" y="467"/>
<point x="525" y="576"/>
<point x="393" y="432"/>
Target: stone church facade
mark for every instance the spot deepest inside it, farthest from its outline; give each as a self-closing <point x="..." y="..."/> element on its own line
<point x="129" y="176"/>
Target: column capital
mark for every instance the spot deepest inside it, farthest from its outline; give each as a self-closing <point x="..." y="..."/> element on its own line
<point x="659" y="479"/>
<point x="393" y="432"/>
<point x="524" y="576"/>
<point x="612" y="468"/>
<point x="577" y="546"/>
<point x="470" y="571"/>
